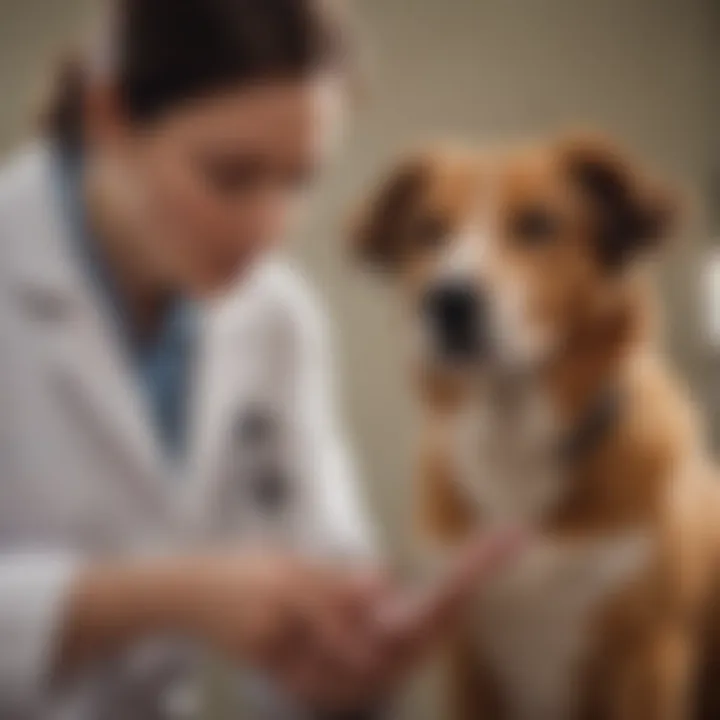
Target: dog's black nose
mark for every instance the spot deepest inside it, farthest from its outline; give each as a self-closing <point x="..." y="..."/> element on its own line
<point x="456" y="316"/>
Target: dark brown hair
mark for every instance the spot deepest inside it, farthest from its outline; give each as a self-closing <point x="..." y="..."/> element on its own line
<point x="167" y="52"/>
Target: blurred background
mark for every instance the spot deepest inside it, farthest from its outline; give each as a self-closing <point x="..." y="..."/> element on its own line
<point x="646" y="71"/>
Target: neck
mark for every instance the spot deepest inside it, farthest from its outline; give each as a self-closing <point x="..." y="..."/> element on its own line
<point x="123" y="248"/>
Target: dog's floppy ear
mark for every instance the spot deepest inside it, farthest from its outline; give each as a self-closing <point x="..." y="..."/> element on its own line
<point x="379" y="229"/>
<point x="631" y="213"/>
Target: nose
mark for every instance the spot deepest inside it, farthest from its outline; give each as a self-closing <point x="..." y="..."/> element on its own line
<point x="456" y="313"/>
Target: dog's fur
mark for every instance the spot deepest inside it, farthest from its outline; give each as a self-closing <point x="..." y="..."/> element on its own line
<point x="610" y="614"/>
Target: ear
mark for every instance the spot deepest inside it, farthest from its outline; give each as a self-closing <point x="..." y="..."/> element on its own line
<point x="631" y="213"/>
<point x="379" y="228"/>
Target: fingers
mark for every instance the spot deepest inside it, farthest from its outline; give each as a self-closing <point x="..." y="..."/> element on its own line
<point x="348" y="637"/>
<point x="417" y="618"/>
<point x="479" y="560"/>
<point x="324" y="685"/>
<point x="329" y="660"/>
<point x="387" y="631"/>
<point x="337" y="614"/>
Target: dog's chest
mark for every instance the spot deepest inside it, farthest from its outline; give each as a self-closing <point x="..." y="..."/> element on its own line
<point x="534" y="623"/>
<point x="507" y="461"/>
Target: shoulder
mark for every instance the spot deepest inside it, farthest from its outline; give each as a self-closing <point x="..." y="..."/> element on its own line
<point x="283" y="303"/>
<point x="292" y="296"/>
<point x="23" y="180"/>
<point x="27" y="204"/>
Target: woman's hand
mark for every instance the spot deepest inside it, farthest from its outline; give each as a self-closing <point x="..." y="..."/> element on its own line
<point x="333" y="638"/>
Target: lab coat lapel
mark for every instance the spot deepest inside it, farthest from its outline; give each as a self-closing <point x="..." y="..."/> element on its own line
<point x="88" y="369"/>
<point x="228" y="381"/>
<point x="218" y="385"/>
<point x="85" y="360"/>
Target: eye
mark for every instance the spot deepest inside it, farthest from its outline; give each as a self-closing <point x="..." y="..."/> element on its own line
<point x="226" y="175"/>
<point x="430" y="232"/>
<point x="535" y="226"/>
<point x="299" y="177"/>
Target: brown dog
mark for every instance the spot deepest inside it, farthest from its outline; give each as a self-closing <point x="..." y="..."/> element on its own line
<point x="548" y="403"/>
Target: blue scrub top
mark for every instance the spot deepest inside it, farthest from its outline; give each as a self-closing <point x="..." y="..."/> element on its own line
<point x="162" y="363"/>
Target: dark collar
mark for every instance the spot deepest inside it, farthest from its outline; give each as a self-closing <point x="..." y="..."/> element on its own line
<point x="594" y="425"/>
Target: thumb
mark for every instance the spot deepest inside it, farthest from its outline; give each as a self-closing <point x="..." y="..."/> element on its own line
<point x="421" y="615"/>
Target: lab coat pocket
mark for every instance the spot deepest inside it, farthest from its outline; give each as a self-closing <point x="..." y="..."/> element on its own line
<point x="259" y="491"/>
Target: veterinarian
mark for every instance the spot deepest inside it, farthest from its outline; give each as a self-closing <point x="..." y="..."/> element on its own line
<point x="172" y="480"/>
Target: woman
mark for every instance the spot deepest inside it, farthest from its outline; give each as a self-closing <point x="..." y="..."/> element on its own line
<point x="146" y="419"/>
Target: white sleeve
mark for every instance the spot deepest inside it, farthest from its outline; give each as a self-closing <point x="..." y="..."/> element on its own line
<point x="336" y="522"/>
<point x="33" y="589"/>
<point x="331" y="515"/>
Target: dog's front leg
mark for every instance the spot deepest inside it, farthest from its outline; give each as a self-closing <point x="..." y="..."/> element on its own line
<point x="654" y="681"/>
<point x="470" y="692"/>
<point x="443" y="516"/>
<point x="444" y="520"/>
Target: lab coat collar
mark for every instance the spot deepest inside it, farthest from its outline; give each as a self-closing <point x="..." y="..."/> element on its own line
<point x="43" y="267"/>
<point x="86" y="361"/>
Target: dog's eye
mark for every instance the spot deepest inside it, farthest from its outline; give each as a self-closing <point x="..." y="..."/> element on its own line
<point x="430" y="232"/>
<point x="534" y="226"/>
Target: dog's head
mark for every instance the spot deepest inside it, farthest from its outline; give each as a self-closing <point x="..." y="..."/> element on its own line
<point x="505" y="258"/>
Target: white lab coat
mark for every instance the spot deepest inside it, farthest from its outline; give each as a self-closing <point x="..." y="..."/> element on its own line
<point x="83" y="476"/>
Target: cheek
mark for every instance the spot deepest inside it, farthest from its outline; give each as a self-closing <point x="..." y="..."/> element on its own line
<point x="557" y="296"/>
<point x="182" y="203"/>
<point x="198" y="238"/>
<point x="525" y="316"/>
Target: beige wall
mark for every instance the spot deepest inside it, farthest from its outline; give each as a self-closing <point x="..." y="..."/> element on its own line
<point x="487" y="70"/>
<point x="33" y="34"/>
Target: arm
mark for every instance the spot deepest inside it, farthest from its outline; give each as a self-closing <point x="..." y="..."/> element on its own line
<point x="110" y="606"/>
<point x="33" y="596"/>
<point x="337" y="524"/>
<point x="333" y="525"/>
<point x="312" y="628"/>
<point x="58" y="617"/>
<point x="654" y="681"/>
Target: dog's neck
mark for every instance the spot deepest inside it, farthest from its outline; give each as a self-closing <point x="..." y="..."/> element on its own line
<point x="506" y="437"/>
<point x="522" y="441"/>
<point x="507" y="464"/>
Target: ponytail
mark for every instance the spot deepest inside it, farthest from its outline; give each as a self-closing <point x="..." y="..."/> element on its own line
<point x="62" y="118"/>
<point x="169" y="52"/>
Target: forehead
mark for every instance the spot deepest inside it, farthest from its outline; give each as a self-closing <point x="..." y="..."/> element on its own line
<point x="474" y="185"/>
<point x="274" y="118"/>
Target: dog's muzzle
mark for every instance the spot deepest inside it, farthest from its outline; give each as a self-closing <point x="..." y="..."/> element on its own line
<point x="456" y="315"/>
